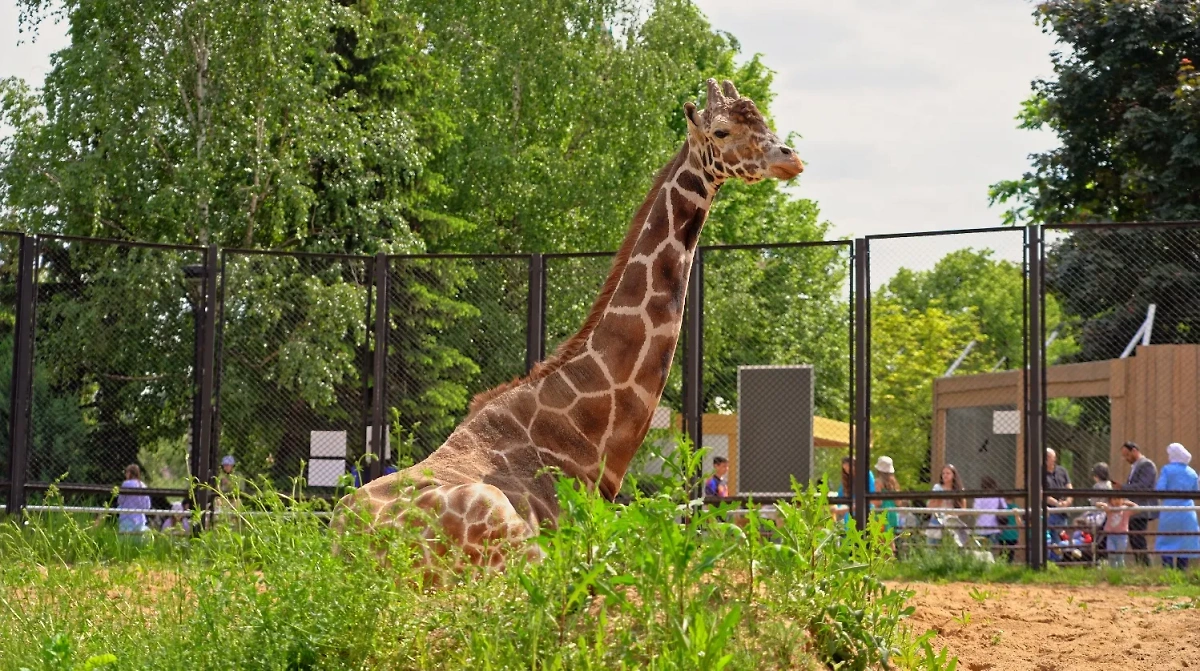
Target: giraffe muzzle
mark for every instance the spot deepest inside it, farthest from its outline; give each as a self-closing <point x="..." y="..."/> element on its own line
<point x="785" y="163"/>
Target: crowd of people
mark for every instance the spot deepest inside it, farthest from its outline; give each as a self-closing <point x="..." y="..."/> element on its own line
<point x="177" y="517"/>
<point x="1113" y="528"/>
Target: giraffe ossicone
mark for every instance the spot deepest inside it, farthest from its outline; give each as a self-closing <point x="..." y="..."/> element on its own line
<point x="586" y="409"/>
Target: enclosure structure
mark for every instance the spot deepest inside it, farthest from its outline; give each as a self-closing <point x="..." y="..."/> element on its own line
<point x="1154" y="400"/>
<point x="829" y="436"/>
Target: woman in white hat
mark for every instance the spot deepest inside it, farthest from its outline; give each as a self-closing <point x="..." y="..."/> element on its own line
<point x="885" y="480"/>
<point x="1179" y="534"/>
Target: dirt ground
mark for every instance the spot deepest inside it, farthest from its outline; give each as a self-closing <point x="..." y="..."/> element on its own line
<point x="1060" y="628"/>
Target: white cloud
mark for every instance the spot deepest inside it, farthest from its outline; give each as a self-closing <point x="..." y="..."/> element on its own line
<point x="906" y="108"/>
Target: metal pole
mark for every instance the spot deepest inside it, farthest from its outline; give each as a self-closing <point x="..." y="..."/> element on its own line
<point x="379" y="368"/>
<point x="1034" y="379"/>
<point x="693" y="353"/>
<point x="22" y="377"/>
<point x="860" y="289"/>
<point x="535" y="321"/>
<point x="208" y="346"/>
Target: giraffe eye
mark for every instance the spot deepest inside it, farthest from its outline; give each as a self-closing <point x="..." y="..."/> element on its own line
<point x="721" y="134"/>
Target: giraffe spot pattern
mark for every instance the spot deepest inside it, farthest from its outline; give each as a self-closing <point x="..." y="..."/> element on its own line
<point x="618" y="338"/>
<point x="667" y="271"/>
<point x="553" y="433"/>
<point x="590" y="416"/>
<point x="585" y="374"/>
<point x="556" y="393"/>
<point x="691" y="182"/>
<point x="632" y="289"/>
<point x="656" y="365"/>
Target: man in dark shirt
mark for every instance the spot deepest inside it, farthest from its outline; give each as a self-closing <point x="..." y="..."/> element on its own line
<point x="1142" y="477"/>
<point x="1056" y="477"/>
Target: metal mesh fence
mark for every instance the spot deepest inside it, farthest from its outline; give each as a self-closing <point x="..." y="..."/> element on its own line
<point x="1123" y="306"/>
<point x="10" y="249"/>
<point x="776" y="362"/>
<point x="948" y="323"/>
<point x="458" y="327"/>
<point x="113" y="376"/>
<point x="293" y="351"/>
<point x="572" y="283"/>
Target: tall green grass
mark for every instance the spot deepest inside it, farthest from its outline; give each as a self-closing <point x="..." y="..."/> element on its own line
<point x="660" y="583"/>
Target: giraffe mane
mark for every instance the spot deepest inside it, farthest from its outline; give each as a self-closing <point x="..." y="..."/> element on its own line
<point x="572" y="347"/>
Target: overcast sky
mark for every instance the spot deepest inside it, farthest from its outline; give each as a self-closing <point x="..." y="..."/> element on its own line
<point x="906" y="108"/>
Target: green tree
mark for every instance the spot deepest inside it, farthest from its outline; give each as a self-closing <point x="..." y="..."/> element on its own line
<point x="993" y="292"/>
<point x="1125" y="106"/>
<point x="300" y="125"/>
<point x="921" y="344"/>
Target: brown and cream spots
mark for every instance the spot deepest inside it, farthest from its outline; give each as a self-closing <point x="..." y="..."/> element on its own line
<point x="487" y="489"/>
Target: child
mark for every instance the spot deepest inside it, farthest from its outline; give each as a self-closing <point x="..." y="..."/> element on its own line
<point x="133" y="523"/>
<point x="1116" y="528"/>
<point x="715" y="485"/>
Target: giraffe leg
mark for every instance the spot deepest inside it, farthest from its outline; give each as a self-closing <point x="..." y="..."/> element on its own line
<point x="482" y="521"/>
<point x="476" y="519"/>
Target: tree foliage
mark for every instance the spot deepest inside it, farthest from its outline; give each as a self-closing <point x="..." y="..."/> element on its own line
<point x="1125" y="106"/>
<point x="923" y="320"/>
<point x="356" y="127"/>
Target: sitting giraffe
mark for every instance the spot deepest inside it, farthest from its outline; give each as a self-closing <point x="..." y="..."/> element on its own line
<point x="586" y="409"/>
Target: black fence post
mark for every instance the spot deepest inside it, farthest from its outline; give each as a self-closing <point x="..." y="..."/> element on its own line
<point x="535" y="323"/>
<point x="1034" y="404"/>
<point x="862" y="379"/>
<point x="693" y="354"/>
<point x="22" y="377"/>
<point x="205" y="366"/>
<point x="379" y="431"/>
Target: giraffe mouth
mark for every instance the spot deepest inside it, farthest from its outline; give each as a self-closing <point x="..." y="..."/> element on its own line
<point x="788" y="168"/>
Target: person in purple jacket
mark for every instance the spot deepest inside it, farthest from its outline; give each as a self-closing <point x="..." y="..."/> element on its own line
<point x="132" y="523"/>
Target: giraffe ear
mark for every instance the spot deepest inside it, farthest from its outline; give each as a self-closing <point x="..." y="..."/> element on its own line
<point x="689" y="111"/>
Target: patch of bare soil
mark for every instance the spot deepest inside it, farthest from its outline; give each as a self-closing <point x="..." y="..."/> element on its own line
<point x="1059" y="628"/>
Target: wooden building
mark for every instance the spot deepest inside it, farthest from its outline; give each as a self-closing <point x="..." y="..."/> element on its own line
<point x="1154" y="399"/>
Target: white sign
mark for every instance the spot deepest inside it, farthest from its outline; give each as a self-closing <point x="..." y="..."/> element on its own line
<point x="387" y="443"/>
<point x="327" y="444"/>
<point x="325" y="472"/>
<point x="1006" y="422"/>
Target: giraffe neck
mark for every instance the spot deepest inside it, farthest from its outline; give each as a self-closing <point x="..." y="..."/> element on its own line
<point x="618" y="378"/>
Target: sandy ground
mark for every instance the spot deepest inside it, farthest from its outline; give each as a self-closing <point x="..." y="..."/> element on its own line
<point x="1058" y="628"/>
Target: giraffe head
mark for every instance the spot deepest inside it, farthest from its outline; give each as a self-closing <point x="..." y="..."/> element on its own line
<point x="733" y="140"/>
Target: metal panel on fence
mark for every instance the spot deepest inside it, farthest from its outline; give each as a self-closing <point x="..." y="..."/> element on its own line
<point x="458" y="327"/>
<point x="10" y="255"/>
<point x="778" y="305"/>
<point x="114" y="376"/>
<point x="774" y="428"/>
<point x="294" y="351"/>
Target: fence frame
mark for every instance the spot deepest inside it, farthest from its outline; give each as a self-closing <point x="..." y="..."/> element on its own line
<point x="210" y="358"/>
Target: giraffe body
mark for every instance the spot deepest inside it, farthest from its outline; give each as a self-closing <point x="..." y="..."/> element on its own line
<point x="585" y="411"/>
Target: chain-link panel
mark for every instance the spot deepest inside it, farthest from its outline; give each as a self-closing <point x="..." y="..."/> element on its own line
<point x="948" y="324"/>
<point x="10" y="253"/>
<point x="113" y="374"/>
<point x="572" y="284"/>
<point x="458" y="327"/>
<point x="294" y="346"/>
<point x="777" y="363"/>
<point x="1124" y="302"/>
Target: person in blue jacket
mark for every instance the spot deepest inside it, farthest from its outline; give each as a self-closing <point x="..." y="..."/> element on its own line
<point x="1179" y="532"/>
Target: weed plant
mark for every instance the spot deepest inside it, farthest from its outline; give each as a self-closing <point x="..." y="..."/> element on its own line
<point x="659" y="583"/>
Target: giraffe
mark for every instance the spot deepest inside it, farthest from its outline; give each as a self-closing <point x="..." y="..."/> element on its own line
<point x="584" y="411"/>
